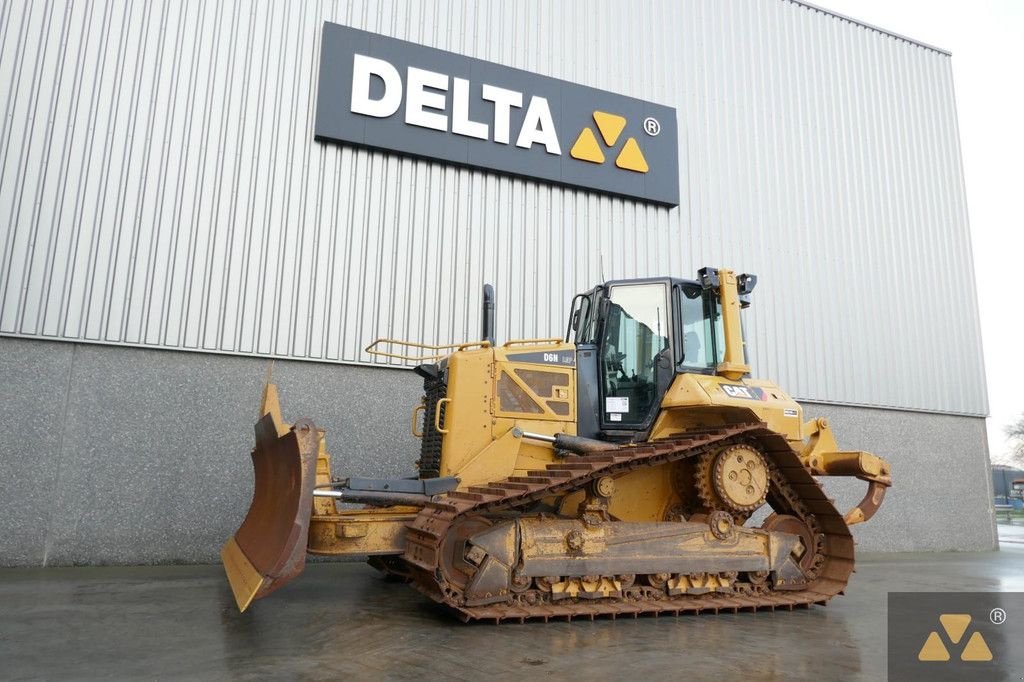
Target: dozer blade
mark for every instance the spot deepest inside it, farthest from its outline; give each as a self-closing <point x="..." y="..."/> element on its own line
<point x="269" y="548"/>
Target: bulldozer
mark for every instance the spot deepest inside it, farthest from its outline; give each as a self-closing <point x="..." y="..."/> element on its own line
<point x="628" y="467"/>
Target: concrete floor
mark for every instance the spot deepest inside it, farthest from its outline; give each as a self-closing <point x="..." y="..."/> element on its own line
<point x="342" y="620"/>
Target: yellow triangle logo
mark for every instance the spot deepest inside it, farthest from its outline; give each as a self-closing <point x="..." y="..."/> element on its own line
<point x="631" y="158"/>
<point x="955" y="625"/>
<point x="586" y="148"/>
<point x="610" y="125"/>
<point x="933" y="649"/>
<point x="976" y="649"/>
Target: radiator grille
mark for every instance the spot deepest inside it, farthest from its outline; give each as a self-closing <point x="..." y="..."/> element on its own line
<point x="434" y="388"/>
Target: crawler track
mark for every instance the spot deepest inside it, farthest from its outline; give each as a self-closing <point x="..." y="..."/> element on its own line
<point x="793" y="491"/>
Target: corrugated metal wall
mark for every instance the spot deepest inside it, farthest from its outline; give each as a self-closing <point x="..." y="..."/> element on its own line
<point x="159" y="185"/>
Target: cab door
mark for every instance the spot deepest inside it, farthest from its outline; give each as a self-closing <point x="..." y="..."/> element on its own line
<point x="635" y="351"/>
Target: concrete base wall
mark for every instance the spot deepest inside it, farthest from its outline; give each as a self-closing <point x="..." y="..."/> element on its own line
<point x="114" y="455"/>
<point x="941" y="497"/>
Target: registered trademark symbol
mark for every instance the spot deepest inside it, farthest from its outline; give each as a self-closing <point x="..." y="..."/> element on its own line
<point x="997" y="616"/>
<point x="651" y="126"/>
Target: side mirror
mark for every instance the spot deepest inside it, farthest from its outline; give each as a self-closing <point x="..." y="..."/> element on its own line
<point x="745" y="283"/>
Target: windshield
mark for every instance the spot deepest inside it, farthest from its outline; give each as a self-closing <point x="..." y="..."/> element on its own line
<point x="635" y="335"/>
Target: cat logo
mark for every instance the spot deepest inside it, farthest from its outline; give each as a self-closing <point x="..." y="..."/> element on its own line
<point x="955" y="625"/>
<point x="586" y="147"/>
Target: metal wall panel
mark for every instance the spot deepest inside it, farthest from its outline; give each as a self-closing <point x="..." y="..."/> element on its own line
<point x="159" y="186"/>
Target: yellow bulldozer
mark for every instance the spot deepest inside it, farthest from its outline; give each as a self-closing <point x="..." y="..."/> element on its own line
<point x="629" y="467"/>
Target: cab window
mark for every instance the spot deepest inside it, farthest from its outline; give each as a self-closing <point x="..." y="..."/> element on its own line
<point x="703" y="336"/>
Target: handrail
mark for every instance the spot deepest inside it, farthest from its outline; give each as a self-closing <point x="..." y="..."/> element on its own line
<point x="448" y="348"/>
<point x="523" y="342"/>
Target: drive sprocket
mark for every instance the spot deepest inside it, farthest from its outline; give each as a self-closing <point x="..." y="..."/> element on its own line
<point x="733" y="479"/>
<point x="741" y="478"/>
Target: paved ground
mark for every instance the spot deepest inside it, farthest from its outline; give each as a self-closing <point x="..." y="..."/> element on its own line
<point x="341" y="620"/>
<point x="1011" y="533"/>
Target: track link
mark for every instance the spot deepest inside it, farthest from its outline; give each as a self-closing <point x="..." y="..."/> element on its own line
<point x="793" y="491"/>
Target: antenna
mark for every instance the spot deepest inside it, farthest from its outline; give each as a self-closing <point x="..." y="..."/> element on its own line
<point x="600" y="260"/>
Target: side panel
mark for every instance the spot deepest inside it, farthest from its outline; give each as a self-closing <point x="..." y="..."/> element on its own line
<point x="534" y="392"/>
<point x="491" y="391"/>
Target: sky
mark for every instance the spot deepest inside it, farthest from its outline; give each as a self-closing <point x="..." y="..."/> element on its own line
<point x="986" y="38"/>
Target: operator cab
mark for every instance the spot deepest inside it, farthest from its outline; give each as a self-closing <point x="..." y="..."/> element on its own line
<point x="632" y="337"/>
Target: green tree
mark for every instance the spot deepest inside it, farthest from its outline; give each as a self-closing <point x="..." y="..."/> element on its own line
<point x="1015" y="432"/>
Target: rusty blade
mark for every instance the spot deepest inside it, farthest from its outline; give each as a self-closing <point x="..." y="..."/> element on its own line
<point x="269" y="548"/>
